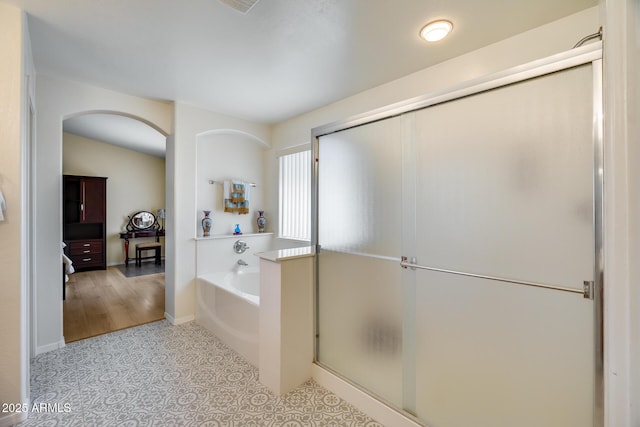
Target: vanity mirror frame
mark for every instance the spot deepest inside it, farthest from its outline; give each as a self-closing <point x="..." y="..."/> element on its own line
<point x="134" y="222"/>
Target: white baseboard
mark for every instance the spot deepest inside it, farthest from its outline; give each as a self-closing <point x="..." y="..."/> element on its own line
<point x="50" y="347"/>
<point x="179" y="320"/>
<point x="372" y="407"/>
<point x="13" y="419"/>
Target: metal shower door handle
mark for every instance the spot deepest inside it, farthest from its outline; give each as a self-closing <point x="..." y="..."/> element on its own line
<point x="587" y="290"/>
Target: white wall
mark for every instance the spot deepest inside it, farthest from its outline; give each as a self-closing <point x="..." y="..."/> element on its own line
<point x="17" y="67"/>
<point x="622" y="212"/>
<point x="191" y="123"/>
<point x="58" y="99"/>
<point x="136" y="182"/>
<point x="225" y="156"/>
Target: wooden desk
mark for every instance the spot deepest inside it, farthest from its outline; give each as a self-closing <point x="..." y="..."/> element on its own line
<point x="134" y="235"/>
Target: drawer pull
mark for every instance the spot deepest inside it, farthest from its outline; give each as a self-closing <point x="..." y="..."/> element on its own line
<point x="86" y="259"/>
<point x="86" y="245"/>
<point x="86" y="252"/>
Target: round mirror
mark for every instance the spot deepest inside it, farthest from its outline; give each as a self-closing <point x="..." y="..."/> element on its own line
<point x="143" y="220"/>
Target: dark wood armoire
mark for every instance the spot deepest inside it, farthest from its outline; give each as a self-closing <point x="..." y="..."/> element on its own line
<point x="85" y="220"/>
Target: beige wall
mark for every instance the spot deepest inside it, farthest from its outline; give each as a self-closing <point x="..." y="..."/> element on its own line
<point x="136" y="182"/>
<point x="13" y="358"/>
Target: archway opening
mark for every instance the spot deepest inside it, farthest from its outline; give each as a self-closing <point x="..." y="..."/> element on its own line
<point x="107" y="291"/>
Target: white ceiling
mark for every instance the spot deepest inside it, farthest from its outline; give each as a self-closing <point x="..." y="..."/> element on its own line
<point x="281" y="59"/>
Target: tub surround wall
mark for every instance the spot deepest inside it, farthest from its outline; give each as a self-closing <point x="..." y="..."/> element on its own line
<point x="215" y="253"/>
<point x="286" y="318"/>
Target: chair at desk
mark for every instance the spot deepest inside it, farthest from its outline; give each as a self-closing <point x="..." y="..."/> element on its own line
<point x="140" y="247"/>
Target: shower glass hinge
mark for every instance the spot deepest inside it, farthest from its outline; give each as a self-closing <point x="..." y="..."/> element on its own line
<point x="588" y="288"/>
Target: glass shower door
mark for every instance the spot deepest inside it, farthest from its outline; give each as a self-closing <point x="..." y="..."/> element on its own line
<point x="491" y="199"/>
<point x="359" y="230"/>
<point x="508" y="194"/>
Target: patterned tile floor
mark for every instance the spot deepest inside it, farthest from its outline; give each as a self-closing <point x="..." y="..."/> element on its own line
<point x="163" y="375"/>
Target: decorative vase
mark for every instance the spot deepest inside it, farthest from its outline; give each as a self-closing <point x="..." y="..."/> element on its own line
<point x="261" y="221"/>
<point x="237" y="230"/>
<point x="207" y="223"/>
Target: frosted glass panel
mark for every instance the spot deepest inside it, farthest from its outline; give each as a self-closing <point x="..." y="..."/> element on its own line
<point x="499" y="355"/>
<point x="360" y="189"/>
<point x="505" y="181"/>
<point x="360" y="294"/>
<point x="360" y="326"/>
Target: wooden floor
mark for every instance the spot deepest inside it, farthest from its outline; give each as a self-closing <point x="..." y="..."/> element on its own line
<point x="102" y="301"/>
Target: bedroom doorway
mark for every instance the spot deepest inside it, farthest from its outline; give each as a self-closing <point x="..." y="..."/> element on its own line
<point x="102" y="294"/>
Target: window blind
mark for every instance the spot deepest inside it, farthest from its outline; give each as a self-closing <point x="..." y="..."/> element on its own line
<point x="295" y="195"/>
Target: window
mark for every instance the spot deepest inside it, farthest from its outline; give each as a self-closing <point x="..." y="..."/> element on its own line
<point x="295" y="195"/>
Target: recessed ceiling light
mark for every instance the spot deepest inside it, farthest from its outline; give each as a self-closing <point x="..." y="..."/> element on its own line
<point x="436" y="30"/>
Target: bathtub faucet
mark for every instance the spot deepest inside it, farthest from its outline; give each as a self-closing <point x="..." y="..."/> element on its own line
<point x="240" y="246"/>
<point x="242" y="262"/>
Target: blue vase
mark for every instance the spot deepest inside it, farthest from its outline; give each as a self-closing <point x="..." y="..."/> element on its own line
<point x="237" y="230"/>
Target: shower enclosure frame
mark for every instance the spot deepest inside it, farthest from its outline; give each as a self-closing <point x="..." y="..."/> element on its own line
<point x="590" y="53"/>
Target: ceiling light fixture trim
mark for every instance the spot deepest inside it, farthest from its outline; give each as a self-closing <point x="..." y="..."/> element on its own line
<point x="436" y="30"/>
<point x="242" y="6"/>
